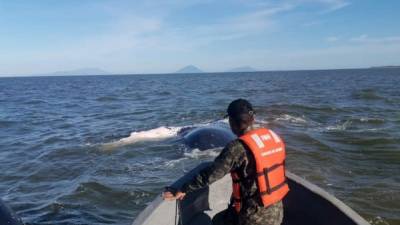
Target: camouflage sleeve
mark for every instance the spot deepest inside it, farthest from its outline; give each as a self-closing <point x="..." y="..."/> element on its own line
<point x="228" y="160"/>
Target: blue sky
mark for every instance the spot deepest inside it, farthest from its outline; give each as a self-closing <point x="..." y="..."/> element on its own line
<point x="160" y="36"/>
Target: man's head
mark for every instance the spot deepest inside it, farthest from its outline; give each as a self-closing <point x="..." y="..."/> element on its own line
<point x="241" y="115"/>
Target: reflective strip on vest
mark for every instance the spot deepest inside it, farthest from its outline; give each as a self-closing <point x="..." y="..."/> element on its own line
<point x="258" y="140"/>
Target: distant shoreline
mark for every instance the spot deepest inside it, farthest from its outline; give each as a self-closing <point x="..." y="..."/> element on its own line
<point x="138" y="74"/>
<point x="384" y="67"/>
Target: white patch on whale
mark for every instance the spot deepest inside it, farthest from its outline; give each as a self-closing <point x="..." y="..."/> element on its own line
<point x="156" y="134"/>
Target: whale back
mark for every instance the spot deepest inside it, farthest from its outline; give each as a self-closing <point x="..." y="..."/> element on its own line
<point x="204" y="138"/>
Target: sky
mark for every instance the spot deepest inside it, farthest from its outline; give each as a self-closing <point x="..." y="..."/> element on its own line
<point x="161" y="36"/>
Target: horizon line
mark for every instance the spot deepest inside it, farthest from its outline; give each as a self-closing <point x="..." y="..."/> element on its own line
<point x="204" y="72"/>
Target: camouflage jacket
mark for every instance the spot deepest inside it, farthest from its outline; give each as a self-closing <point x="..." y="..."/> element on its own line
<point x="235" y="157"/>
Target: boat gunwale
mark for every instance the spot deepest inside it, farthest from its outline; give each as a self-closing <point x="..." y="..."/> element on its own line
<point x="341" y="206"/>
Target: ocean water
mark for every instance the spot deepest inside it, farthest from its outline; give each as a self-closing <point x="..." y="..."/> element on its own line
<point x="96" y="149"/>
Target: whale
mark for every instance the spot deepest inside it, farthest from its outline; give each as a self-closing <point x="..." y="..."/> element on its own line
<point x="7" y="216"/>
<point x="193" y="137"/>
<point x="203" y="138"/>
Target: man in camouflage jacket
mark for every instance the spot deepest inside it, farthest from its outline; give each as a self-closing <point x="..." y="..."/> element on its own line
<point x="236" y="157"/>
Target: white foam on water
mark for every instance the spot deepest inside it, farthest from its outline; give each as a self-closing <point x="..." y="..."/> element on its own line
<point x="214" y="123"/>
<point x="339" y="127"/>
<point x="378" y="221"/>
<point x="292" y="119"/>
<point x="210" y="154"/>
<point x="370" y="119"/>
<point x="262" y="122"/>
<point x="225" y="123"/>
<point x="173" y="162"/>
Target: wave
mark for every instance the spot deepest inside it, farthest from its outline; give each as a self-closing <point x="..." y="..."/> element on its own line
<point x="292" y="119"/>
<point x="370" y="141"/>
<point x="35" y="102"/>
<point x="378" y="220"/>
<point x="280" y="108"/>
<point x="193" y="154"/>
<point x="174" y="162"/>
<point x="366" y="94"/>
<point x="371" y="120"/>
<point x="339" y="127"/>
<point x="355" y="123"/>
<point x="7" y="123"/>
<point x="107" y="99"/>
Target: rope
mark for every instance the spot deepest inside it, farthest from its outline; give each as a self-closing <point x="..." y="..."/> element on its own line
<point x="177" y="211"/>
<point x="180" y="214"/>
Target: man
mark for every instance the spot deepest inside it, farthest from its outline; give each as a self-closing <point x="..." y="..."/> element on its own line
<point x="256" y="163"/>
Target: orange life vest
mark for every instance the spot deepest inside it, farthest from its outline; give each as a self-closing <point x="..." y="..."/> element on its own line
<point x="268" y="150"/>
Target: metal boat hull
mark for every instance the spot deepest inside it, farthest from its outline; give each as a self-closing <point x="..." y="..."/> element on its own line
<point x="305" y="204"/>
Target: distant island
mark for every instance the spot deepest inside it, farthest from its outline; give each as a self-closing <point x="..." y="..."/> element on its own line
<point x="243" y="69"/>
<point x="190" y="69"/>
<point x="81" y="71"/>
<point x="384" y="67"/>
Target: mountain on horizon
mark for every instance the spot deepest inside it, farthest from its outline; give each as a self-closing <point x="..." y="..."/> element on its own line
<point x="190" y="69"/>
<point x="243" y="69"/>
<point x="81" y="71"/>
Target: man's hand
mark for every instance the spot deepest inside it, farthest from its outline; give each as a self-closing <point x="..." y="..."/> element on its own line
<point x="169" y="196"/>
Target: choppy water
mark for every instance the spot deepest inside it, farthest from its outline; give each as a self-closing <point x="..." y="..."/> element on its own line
<point x="342" y="128"/>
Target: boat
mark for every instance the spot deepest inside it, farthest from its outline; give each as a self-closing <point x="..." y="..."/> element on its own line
<point x="305" y="204"/>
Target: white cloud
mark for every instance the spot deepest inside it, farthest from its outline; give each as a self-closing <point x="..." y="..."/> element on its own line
<point x="326" y="5"/>
<point x="365" y="39"/>
<point x="330" y="5"/>
<point x="237" y="27"/>
<point x="335" y="4"/>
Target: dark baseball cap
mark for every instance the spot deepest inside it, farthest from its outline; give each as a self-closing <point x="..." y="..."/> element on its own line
<point x="239" y="108"/>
